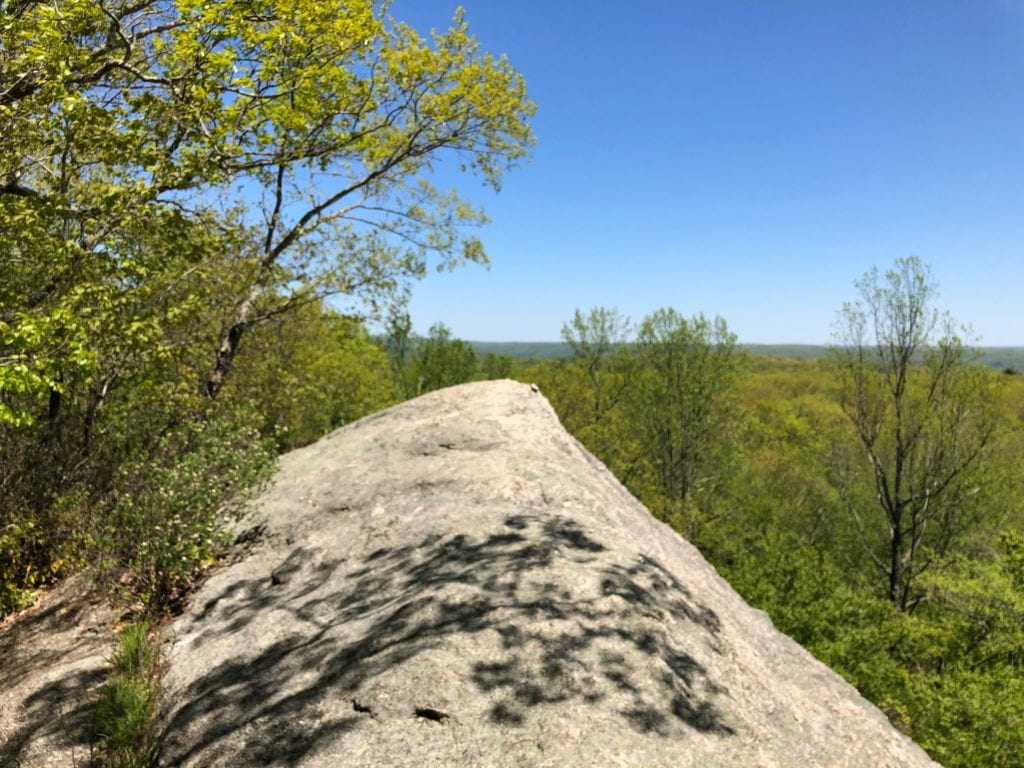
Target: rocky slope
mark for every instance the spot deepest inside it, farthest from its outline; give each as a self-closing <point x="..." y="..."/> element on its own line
<point x="53" y="659"/>
<point x="456" y="582"/>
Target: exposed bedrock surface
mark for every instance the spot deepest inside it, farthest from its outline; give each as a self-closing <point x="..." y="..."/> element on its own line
<point x="456" y="582"/>
<point x="54" y="657"/>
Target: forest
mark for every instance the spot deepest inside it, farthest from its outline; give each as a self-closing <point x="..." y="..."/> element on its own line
<point x="786" y="473"/>
<point x="208" y="229"/>
<point x="869" y="501"/>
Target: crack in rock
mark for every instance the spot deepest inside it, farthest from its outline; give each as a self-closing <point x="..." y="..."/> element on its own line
<point x="431" y="714"/>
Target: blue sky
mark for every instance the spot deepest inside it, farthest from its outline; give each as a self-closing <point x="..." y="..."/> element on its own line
<point x="749" y="159"/>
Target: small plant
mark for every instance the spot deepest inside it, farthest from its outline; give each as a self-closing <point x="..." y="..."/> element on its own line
<point x="124" y="714"/>
<point x="16" y="577"/>
<point x="137" y="652"/>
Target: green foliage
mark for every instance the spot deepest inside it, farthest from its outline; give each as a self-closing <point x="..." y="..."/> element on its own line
<point x="944" y="673"/>
<point x="166" y="520"/>
<point x="686" y="373"/>
<point x="658" y="410"/>
<point x="123" y="718"/>
<point x="136" y="257"/>
<point x="1013" y="558"/>
<point x="128" y="118"/>
<point x="775" y="522"/>
<point x="310" y="373"/>
<point x="439" y="361"/>
<point x="923" y="417"/>
<point x="598" y="341"/>
<point x="16" y="570"/>
<point x="494" y="367"/>
<point x="37" y="545"/>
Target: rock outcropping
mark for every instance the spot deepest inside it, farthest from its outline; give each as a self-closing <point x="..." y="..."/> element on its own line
<point x="455" y="582"/>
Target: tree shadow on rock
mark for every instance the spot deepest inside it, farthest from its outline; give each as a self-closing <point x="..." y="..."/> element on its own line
<point x="61" y="712"/>
<point x="573" y="624"/>
<point x="52" y="661"/>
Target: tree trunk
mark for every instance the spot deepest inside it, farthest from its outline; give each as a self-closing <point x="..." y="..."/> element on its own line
<point x="896" y="596"/>
<point x="212" y="382"/>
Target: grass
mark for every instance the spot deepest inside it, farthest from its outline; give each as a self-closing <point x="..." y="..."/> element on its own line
<point x="124" y="715"/>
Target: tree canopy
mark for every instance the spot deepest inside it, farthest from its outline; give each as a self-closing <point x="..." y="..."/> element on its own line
<point x="298" y="136"/>
<point x="762" y="463"/>
<point x="177" y="176"/>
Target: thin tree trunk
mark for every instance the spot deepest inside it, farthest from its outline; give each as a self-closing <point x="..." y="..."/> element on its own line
<point x="896" y="596"/>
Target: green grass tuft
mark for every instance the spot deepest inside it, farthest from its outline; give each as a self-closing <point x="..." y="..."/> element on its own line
<point x="124" y="714"/>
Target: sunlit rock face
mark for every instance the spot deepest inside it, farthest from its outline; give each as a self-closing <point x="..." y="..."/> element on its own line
<point x="457" y="582"/>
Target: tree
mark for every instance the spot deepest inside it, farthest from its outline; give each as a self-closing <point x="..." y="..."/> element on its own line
<point x="946" y="673"/>
<point x="327" y="116"/>
<point x="590" y="390"/>
<point x="599" y="342"/>
<point x="441" y="361"/>
<point x="923" y="418"/>
<point x="175" y="174"/>
<point x="686" y="371"/>
<point x="495" y="366"/>
<point x="397" y="340"/>
<point x="309" y="373"/>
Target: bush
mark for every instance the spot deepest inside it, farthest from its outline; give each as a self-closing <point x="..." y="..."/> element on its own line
<point x="16" y="570"/>
<point x="171" y="511"/>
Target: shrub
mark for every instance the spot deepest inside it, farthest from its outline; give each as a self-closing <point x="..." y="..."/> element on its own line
<point x="172" y="510"/>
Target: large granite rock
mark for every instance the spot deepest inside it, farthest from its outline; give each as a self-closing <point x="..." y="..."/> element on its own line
<point x="457" y="582"/>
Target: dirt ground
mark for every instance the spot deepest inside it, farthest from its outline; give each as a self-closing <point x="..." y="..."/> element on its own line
<point x="53" y="658"/>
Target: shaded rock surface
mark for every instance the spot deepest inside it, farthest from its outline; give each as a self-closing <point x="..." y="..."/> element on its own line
<point x="53" y="659"/>
<point x="456" y="582"/>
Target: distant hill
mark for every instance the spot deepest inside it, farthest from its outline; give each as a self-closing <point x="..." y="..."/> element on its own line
<point x="1000" y="358"/>
<point x="1004" y="358"/>
<point x="527" y="350"/>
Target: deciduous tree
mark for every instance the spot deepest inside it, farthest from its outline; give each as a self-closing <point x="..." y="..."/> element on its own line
<point x="323" y="120"/>
<point x="175" y="173"/>
<point x="923" y="417"/>
<point x="686" y="370"/>
<point x="599" y="341"/>
<point x="439" y="360"/>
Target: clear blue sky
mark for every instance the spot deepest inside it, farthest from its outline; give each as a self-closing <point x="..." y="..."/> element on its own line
<point x="749" y="159"/>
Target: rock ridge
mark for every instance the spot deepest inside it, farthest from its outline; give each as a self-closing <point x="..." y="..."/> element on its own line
<point x="457" y="582"/>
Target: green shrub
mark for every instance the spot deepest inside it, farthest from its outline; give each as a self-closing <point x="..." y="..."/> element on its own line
<point x="172" y="510"/>
<point x="15" y="572"/>
<point x="37" y="549"/>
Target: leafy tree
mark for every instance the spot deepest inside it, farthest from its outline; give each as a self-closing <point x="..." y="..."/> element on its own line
<point x="599" y="340"/>
<point x="495" y="366"/>
<point x="309" y="373"/>
<point x="114" y="115"/>
<point x="174" y="175"/>
<point x="398" y="340"/>
<point x="655" y="410"/>
<point x="686" y="372"/>
<point x="591" y="390"/>
<point x="922" y="416"/>
<point x="946" y="673"/>
<point x="440" y="361"/>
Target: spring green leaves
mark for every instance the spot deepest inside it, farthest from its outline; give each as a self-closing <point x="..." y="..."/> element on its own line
<point x="302" y="135"/>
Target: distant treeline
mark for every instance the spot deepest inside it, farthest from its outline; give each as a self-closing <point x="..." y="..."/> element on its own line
<point x="1000" y="358"/>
